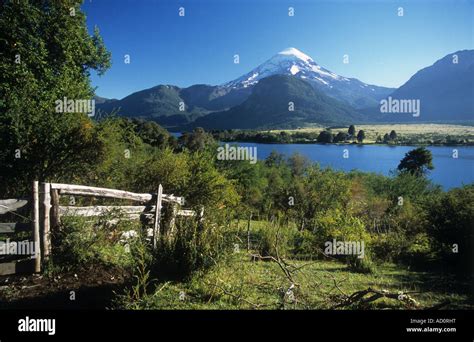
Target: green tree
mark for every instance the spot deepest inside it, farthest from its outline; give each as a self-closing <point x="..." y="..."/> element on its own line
<point x="46" y="55"/>
<point x="417" y="162"/>
<point x="151" y="133"/>
<point x="351" y="130"/>
<point x="325" y="137"/>
<point x="393" y="135"/>
<point x="298" y="164"/>
<point x="274" y="159"/>
<point x="341" y="137"/>
<point x="197" y="140"/>
<point x="451" y="217"/>
<point x="360" y="136"/>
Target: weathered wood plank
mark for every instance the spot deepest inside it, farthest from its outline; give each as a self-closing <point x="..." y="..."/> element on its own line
<point x="71" y="189"/>
<point x="55" y="217"/>
<point x="14" y="227"/>
<point x="17" y="267"/>
<point x="36" y="226"/>
<point x="172" y="222"/>
<point x="201" y="214"/>
<point x="46" y="187"/>
<point x="13" y="204"/>
<point x="101" y="209"/>
<point x="156" y="227"/>
<point x="185" y="212"/>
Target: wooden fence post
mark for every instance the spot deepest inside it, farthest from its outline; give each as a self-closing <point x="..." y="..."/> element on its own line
<point x="156" y="227"/>
<point x="201" y="214"/>
<point x="36" y="225"/>
<point x="248" y="233"/>
<point x="174" y="211"/>
<point x="55" y="218"/>
<point x="46" y="221"/>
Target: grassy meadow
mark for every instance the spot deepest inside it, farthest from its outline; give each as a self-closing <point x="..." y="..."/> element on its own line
<point x="420" y="132"/>
<point x="239" y="281"/>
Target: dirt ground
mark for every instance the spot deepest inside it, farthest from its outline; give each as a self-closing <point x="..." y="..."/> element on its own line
<point x="92" y="288"/>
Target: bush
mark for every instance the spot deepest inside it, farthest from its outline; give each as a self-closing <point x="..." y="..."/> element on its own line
<point x="306" y="245"/>
<point x="451" y="224"/>
<point x="275" y="239"/>
<point x="335" y="224"/>
<point x="194" y="247"/>
<point x="81" y="243"/>
<point x="361" y="265"/>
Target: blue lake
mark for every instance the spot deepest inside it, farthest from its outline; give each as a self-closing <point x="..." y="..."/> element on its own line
<point x="449" y="172"/>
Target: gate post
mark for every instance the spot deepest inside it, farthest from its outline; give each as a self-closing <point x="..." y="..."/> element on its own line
<point x="36" y="227"/>
<point x="156" y="227"/>
<point x="46" y="221"/>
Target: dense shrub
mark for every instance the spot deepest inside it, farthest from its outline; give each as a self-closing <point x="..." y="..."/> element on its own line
<point x="195" y="246"/>
<point x="83" y="243"/>
<point x="452" y="226"/>
<point x="274" y="239"/>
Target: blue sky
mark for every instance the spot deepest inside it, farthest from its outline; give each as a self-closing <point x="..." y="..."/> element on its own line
<point x="384" y="48"/>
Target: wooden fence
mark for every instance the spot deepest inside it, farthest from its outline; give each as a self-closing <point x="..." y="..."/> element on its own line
<point x="47" y="212"/>
<point x="11" y="206"/>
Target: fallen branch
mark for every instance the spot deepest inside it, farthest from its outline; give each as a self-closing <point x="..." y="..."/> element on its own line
<point x="360" y="297"/>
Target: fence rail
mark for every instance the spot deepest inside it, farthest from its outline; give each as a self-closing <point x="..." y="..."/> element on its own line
<point x="46" y="214"/>
<point x="10" y="206"/>
<point x="70" y="189"/>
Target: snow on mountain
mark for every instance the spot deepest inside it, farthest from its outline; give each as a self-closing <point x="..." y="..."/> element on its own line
<point x="292" y="61"/>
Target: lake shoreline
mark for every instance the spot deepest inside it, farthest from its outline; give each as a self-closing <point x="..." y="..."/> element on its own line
<point x="453" y="167"/>
<point x="383" y="135"/>
<point x="342" y="144"/>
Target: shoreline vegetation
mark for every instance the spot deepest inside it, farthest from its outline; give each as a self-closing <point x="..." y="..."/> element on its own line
<point x="375" y="134"/>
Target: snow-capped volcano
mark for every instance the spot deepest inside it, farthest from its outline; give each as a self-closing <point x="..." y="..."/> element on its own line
<point x="292" y="61"/>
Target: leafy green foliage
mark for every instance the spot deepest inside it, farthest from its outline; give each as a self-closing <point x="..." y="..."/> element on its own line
<point x="325" y="137"/>
<point x="197" y="140"/>
<point x="452" y="216"/>
<point x="361" y="136"/>
<point x="80" y="243"/>
<point x="47" y="54"/>
<point x="417" y="162"/>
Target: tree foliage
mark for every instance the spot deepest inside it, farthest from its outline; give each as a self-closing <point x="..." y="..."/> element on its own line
<point x="351" y="131"/>
<point x="47" y="54"/>
<point x="417" y="162"/>
<point x="361" y="136"/>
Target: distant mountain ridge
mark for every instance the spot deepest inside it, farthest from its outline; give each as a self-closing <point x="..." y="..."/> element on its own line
<point x="293" y="62"/>
<point x="172" y="106"/>
<point x="282" y="101"/>
<point x="445" y="91"/>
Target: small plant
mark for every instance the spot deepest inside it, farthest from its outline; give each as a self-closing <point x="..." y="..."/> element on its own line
<point x="361" y="265"/>
<point x="84" y="242"/>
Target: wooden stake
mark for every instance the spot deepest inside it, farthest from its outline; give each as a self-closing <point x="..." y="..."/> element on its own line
<point x="248" y="233"/>
<point x="55" y="217"/>
<point x="36" y="227"/>
<point x="156" y="228"/>
<point x="201" y="214"/>
<point x="46" y="221"/>
<point x="174" y="212"/>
